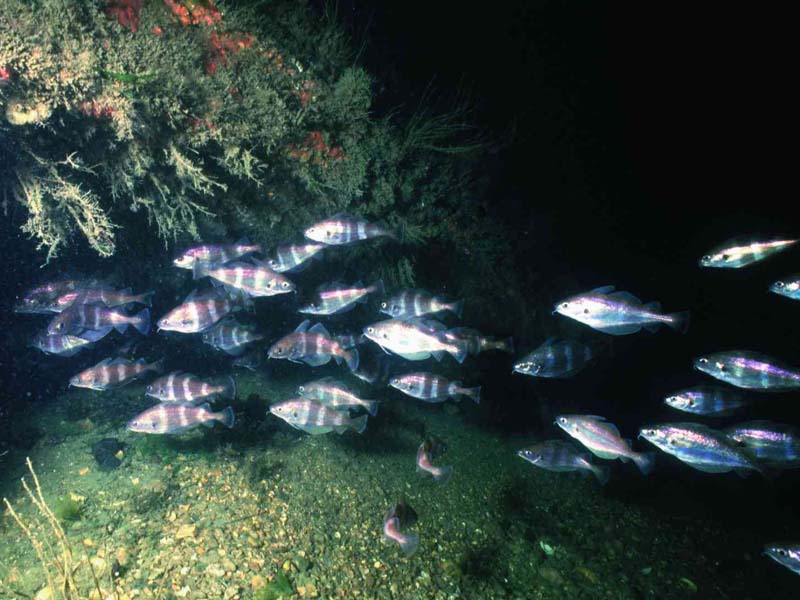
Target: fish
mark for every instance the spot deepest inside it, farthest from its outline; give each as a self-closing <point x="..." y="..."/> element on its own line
<point x="97" y="317"/>
<point x="414" y="339"/>
<point x="749" y="370"/>
<point x="556" y="359"/>
<point x="230" y="336"/>
<point x="177" y="417"/>
<point x="294" y="257"/>
<point x="111" y="373"/>
<point x="345" y="229"/>
<point x="350" y="340"/>
<point x="786" y="554"/>
<point x="736" y="254"/>
<point x="108" y="297"/>
<point x="215" y="254"/>
<point x="256" y="280"/>
<point x="619" y="313"/>
<point x="330" y="392"/>
<point x="774" y="444"/>
<point x="433" y="388"/>
<point x="399" y="517"/>
<point x="374" y="365"/>
<point x="603" y="439"/>
<point x="199" y="311"/>
<point x="706" y="400"/>
<point x="185" y="387"/>
<point x="477" y="342"/>
<point x="39" y="299"/>
<point x="700" y="447"/>
<point x="334" y="298"/>
<point x="561" y="456"/>
<point x="60" y="345"/>
<point x="314" y="418"/>
<point x="314" y="346"/>
<point x="440" y="474"/>
<point x="416" y="302"/>
<point x="788" y="286"/>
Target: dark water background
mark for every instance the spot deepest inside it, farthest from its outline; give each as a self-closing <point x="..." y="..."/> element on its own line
<point x="628" y="142"/>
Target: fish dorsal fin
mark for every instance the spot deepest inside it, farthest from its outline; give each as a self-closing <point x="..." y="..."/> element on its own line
<point x="320" y="329"/>
<point x="118" y="361"/>
<point x="654" y="306"/>
<point x="329" y="286"/>
<point x="328" y="379"/>
<point x="193" y="295"/>
<point x="625" y="297"/>
<point x="606" y="289"/>
<point x="126" y="292"/>
<point x="104" y="363"/>
<point x="303" y="327"/>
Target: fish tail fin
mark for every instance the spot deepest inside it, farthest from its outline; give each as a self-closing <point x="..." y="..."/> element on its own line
<point x="409" y="543"/>
<point x="352" y="359"/>
<point x="145" y="298"/>
<point x="156" y="366"/>
<point x="378" y="287"/>
<point x="456" y="307"/>
<point x="226" y="417"/>
<point x="371" y="407"/>
<point x="445" y="473"/>
<point x="228" y="389"/>
<point x="142" y="322"/>
<point x="474" y="393"/>
<point x="459" y="351"/>
<point x="646" y="461"/>
<point x="679" y="321"/>
<point x="359" y="424"/>
<point x="602" y="472"/>
<point x="506" y="345"/>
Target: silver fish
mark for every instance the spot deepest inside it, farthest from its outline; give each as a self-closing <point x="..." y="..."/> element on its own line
<point x="415" y="303"/>
<point x="331" y="392"/>
<point x="177" y="417"/>
<point x="788" y="286"/>
<point x="112" y="373"/>
<point x="603" y="439"/>
<point x="736" y="253"/>
<point x="775" y="444"/>
<point x="706" y="400"/>
<point x="336" y="298"/>
<point x="294" y="257"/>
<point x="433" y="388"/>
<point x="215" y="254"/>
<point x="561" y="456"/>
<point x="230" y="336"/>
<point x="314" y="418"/>
<point x="619" y="313"/>
<point x="256" y="280"/>
<point x="414" y="339"/>
<point x="700" y="447"/>
<point x="749" y="370"/>
<point x="555" y="359"/>
<point x="314" y="346"/>
<point x="60" y="345"/>
<point x="344" y="229"/>
<point x="786" y="554"/>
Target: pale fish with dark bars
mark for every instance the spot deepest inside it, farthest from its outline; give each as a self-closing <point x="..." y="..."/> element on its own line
<point x="477" y="342"/>
<point x="199" y="311"/>
<point x="215" y="254"/>
<point x="701" y="447"/>
<point x="417" y="302"/>
<point x="736" y="253"/>
<point x="254" y="279"/>
<point x="775" y="444"/>
<point x="97" y="317"/>
<point x="561" y="456"/>
<point x="603" y="439"/>
<point x="619" y="313"/>
<point x="177" y="417"/>
<point x="185" y="387"/>
<point x="707" y="400"/>
<point x="230" y="336"/>
<point x="294" y="257"/>
<point x="315" y="418"/>
<point x="749" y="370"/>
<point x="345" y="229"/>
<point x="114" y="372"/>
<point x="101" y="295"/>
<point x="433" y="388"/>
<point x="60" y="345"/>
<point x="335" y="298"/>
<point x="556" y="359"/>
<point x="313" y="345"/>
<point x="331" y="392"/>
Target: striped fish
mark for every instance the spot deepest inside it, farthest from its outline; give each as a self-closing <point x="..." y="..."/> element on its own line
<point x="477" y="342"/>
<point x="313" y="346"/>
<point x="555" y="359"/>
<point x="314" y="418"/>
<point x="60" y="345"/>
<point x="775" y="444"/>
<point x="293" y="257"/>
<point x="415" y="302"/>
<point x="215" y="254"/>
<point x="112" y="373"/>
<point x="706" y="400"/>
<point x="414" y="339"/>
<point x="97" y="317"/>
<point x="256" y="280"/>
<point x="230" y="336"/>
<point x="344" y="229"/>
<point x="177" y="417"/>
<point x="561" y="456"/>
<point x="749" y="370"/>
<point x="331" y="392"/>
<point x="738" y="253"/>
<point x="40" y="298"/>
<point x="198" y="312"/>
<point x="788" y="286"/>
<point x="335" y="298"/>
<point x="185" y="387"/>
<point x="619" y="313"/>
<point x="106" y="296"/>
<point x="433" y="388"/>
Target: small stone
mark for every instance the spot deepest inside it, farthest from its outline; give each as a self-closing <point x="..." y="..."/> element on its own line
<point x="287" y="566"/>
<point x="83" y="471"/>
<point x="257" y="582"/>
<point x="185" y="531"/>
<point x="228" y="565"/>
<point x="88" y="542"/>
<point x="377" y="564"/>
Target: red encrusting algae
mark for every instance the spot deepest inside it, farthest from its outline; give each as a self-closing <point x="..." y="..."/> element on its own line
<point x="95" y="109"/>
<point x="222" y="45"/>
<point x="191" y="12"/>
<point x="315" y="149"/>
<point x="125" y="11"/>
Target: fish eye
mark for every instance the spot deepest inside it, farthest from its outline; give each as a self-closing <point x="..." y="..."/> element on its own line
<point x="779" y="284"/>
<point x="285" y="284"/>
<point x="279" y="350"/>
<point x="370" y="330"/>
<point x="563" y="420"/>
<point x="564" y="304"/>
<point x="270" y="284"/>
<point x="294" y="414"/>
<point x="707" y="258"/>
<point x="384" y="305"/>
<point x="153" y="425"/>
<point x="781" y="551"/>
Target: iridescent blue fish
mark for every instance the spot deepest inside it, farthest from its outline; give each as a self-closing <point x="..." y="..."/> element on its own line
<point x="775" y="444"/>
<point x="739" y="253"/>
<point x="787" y="555"/>
<point x="555" y="359"/>
<point x="749" y="370"/>
<point x="788" y="286"/>
<point x="706" y="400"/>
<point x="561" y="456"/>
